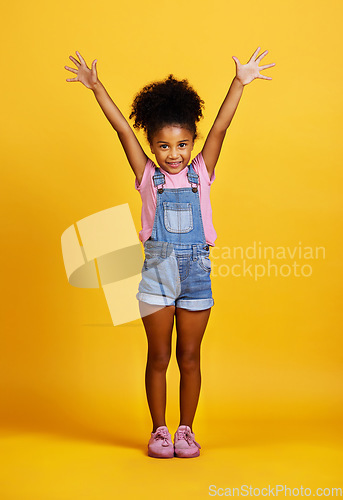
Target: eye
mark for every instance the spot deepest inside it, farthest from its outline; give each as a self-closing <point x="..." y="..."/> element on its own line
<point x="164" y="146"/>
<point x="182" y="144"/>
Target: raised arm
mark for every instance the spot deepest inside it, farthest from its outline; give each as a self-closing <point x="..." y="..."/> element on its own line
<point x="244" y="74"/>
<point x="133" y="150"/>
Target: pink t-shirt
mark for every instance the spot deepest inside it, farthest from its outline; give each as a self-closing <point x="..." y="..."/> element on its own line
<point x="147" y="191"/>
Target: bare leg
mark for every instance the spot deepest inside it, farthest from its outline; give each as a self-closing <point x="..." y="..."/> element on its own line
<point x="190" y="327"/>
<point x="158" y="327"/>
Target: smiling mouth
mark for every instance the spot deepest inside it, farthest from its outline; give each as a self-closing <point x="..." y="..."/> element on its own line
<point x="174" y="163"/>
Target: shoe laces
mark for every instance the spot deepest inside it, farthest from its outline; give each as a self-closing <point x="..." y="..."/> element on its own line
<point x="188" y="436"/>
<point x="162" y="434"/>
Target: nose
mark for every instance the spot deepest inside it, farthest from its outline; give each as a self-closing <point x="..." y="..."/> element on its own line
<point x="173" y="154"/>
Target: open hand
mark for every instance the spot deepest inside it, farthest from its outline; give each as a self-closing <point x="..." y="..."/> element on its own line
<point x="246" y="73"/>
<point x="85" y="75"/>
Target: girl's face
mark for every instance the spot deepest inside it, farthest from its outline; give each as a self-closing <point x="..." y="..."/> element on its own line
<point x="172" y="146"/>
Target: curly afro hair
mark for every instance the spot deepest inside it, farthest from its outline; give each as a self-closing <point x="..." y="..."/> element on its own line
<point x="166" y="102"/>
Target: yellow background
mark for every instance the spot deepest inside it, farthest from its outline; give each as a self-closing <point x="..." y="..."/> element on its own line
<point x="75" y="423"/>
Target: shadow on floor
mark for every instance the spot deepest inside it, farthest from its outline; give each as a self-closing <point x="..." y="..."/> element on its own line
<point x="121" y="436"/>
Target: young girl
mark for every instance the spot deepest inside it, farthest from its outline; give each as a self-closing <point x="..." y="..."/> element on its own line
<point x="177" y="230"/>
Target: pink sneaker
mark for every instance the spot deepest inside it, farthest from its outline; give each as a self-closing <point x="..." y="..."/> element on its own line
<point x="160" y="444"/>
<point x="184" y="443"/>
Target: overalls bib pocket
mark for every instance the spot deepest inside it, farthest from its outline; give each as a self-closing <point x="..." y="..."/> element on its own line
<point x="178" y="217"/>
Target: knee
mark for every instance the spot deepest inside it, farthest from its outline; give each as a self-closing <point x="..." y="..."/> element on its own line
<point x="188" y="361"/>
<point x="158" y="361"/>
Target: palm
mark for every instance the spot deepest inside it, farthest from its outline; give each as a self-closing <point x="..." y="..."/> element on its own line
<point x="85" y="75"/>
<point x="246" y="73"/>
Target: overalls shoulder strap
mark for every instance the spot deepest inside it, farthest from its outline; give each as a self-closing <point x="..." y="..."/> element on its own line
<point x="159" y="178"/>
<point x="193" y="177"/>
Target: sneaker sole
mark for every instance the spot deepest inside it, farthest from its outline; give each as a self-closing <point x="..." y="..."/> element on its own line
<point x="155" y="455"/>
<point x="188" y="456"/>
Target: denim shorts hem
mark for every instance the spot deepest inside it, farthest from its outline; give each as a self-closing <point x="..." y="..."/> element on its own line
<point x="195" y="305"/>
<point x="155" y="300"/>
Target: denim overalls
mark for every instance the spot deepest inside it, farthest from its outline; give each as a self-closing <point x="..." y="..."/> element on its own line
<point x="177" y="268"/>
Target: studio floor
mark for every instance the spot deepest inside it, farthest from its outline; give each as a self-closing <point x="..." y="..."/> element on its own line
<point x="258" y="458"/>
